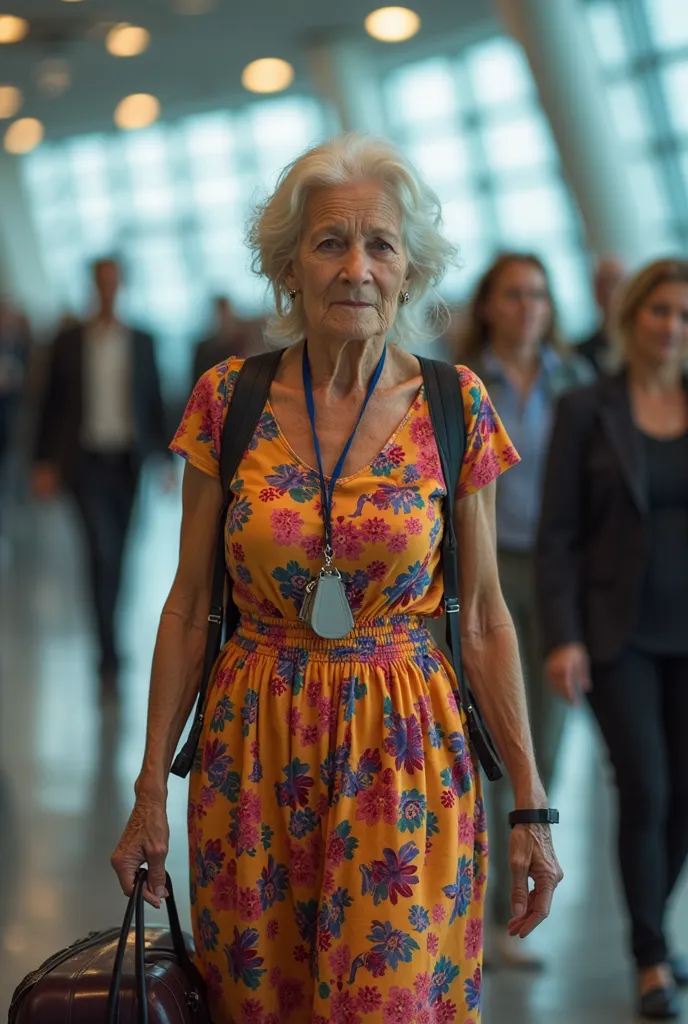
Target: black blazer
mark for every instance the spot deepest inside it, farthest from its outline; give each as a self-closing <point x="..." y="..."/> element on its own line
<point x="58" y="438"/>
<point x="592" y="535"/>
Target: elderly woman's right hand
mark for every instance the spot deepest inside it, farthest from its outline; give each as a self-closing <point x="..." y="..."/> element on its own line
<point x="568" y="672"/>
<point x="144" y="840"/>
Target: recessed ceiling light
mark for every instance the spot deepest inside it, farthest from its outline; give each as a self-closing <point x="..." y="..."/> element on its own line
<point x="194" y="6"/>
<point x="137" y="111"/>
<point x="54" y="77"/>
<point x="71" y="1"/>
<point x="12" y="29"/>
<point x="23" y="135"/>
<point x="10" y="100"/>
<point x="269" y="74"/>
<point x="127" y="40"/>
<point x="392" y="24"/>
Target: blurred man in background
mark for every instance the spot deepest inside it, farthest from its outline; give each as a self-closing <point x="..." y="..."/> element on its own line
<point x="102" y="415"/>
<point x="231" y="337"/>
<point x="14" y="361"/>
<point x="598" y="348"/>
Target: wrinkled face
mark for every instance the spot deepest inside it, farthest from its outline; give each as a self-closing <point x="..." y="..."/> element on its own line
<point x="518" y="310"/>
<point x="351" y="265"/>
<point x="660" y="332"/>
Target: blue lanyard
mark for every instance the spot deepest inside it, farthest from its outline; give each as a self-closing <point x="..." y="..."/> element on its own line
<point x="326" y="492"/>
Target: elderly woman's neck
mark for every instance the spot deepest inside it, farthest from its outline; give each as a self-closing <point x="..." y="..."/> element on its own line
<point x="343" y="367"/>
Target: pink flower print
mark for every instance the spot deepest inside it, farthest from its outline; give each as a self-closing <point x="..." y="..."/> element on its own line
<point x="238" y="553"/>
<point x="397" y="543"/>
<point x="249" y="904"/>
<point x="224" y="895"/>
<point x="272" y="928"/>
<point x="377" y="570"/>
<point x="336" y="849"/>
<point x="277" y="686"/>
<point x="445" y="1013"/>
<point x="324" y="941"/>
<point x="375" y="529"/>
<point x="301" y="954"/>
<point x="447" y="798"/>
<point x="208" y="796"/>
<point x="428" y="463"/>
<point x="421" y="431"/>
<point x="344" y="1008"/>
<point x="322" y="805"/>
<point x="270" y="494"/>
<point x="438" y="913"/>
<point x="289" y="996"/>
<point x="249" y="807"/>
<point x="478" y="886"/>
<point x="312" y="544"/>
<point x="432" y="943"/>
<point x="251" y="1012"/>
<point x="414" y="526"/>
<point x="466" y="829"/>
<point x="473" y="938"/>
<point x="286" y="525"/>
<point x="327" y="715"/>
<point x="294" y="720"/>
<point x="340" y="960"/>
<point x="485" y="470"/>
<point x="254" y="748"/>
<point x="510" y="455"/>
<point x="346" y="539"/>
<point x="431" y="512"/>
<point x="329" y="883"/>
<point x="272" y="1018"/>
<point x="309" y="735"/>
<point x="369" y="999"/>
<point x="422" y="986"/>
<point x="451" y="703"/>
<point x="313" y="691"/>
<point x="303" y="868"/>
<point x="246" y="837"/>
<point x="400" y="1007"/>
<point x="378" y="803"/>
<point x="275" y="976"/>
<point x="203" y="394"/>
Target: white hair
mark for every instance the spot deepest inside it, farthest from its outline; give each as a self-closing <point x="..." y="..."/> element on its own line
<point x="275" y="230"/>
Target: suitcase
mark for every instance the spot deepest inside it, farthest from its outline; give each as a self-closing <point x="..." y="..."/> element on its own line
<point x="118" y="976"/>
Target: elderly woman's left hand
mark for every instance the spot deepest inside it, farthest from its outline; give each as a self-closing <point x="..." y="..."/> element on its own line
<point x="531" y="855"/>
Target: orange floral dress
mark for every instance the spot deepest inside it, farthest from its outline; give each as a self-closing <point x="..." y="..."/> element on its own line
<point x="337" y="838"/>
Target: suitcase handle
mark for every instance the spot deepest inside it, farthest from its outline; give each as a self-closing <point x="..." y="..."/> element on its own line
<point x="135" y="913"/>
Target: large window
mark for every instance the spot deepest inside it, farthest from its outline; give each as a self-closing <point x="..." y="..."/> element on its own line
<point x="172" y="201"/>
<point x="643" y="48"/>
<point x="473" y="125"/>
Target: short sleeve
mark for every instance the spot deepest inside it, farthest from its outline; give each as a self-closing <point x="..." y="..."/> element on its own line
<point x="489" y="451"/>
<point x="199" y="435"/>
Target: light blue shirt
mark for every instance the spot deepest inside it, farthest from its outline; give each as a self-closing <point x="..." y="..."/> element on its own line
<point x="529" y="424"/>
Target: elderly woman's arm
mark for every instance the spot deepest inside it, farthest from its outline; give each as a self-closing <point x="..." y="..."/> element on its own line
<point x="491" y="659"/>
<point x="177" y="665"/>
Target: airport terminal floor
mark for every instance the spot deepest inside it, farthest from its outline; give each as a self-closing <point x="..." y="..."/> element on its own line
<point x="66" y="775"/>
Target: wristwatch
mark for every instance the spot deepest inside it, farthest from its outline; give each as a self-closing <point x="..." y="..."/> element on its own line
<point x="538" y="816"/>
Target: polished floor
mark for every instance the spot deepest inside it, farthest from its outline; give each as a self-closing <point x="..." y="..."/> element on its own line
<point x="66" y="775"/>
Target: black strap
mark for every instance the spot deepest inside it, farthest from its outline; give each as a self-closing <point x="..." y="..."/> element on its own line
<point x="135" y="913"/>
<point x="447" y="416"/>
<point x="250" y="394"/>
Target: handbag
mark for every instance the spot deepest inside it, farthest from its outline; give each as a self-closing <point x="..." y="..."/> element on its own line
<point x="250" y="394"/>
<point x="112" y="976"/>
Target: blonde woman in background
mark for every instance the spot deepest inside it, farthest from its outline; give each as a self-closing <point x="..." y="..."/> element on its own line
<point x="613" y="594"/>
<point x="512" y="342"/>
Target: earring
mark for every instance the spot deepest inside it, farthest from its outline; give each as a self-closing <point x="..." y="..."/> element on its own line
<point x="292" y="294"/>
<point x="404" y="298"/>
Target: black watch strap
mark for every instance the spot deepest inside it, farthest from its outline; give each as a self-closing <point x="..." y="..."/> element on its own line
<point x="536" y="816"/>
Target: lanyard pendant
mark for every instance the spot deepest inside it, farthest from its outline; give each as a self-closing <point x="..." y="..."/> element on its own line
<point x="325" y="607"/>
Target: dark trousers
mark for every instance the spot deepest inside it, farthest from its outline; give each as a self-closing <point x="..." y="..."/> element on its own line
<point x="641" y="704"/>
<point x="104" y="488"/>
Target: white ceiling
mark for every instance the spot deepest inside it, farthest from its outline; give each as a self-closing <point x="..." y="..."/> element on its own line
<point x="194" y="62"/>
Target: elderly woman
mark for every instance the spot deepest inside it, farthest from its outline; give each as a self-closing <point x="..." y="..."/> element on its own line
<point x="336" y="823"/>
<point x="613" y="587"/>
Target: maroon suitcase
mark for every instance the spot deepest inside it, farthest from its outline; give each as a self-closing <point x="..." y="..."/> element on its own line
<point x="119" y="976"/>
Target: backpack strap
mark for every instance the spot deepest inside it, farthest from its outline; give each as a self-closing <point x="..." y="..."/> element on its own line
<point x="447" y="416"/>
<point x="248" y="400"/>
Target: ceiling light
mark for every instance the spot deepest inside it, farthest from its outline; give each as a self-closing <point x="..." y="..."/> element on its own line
<point x="23" y="135"/>
<point x="10" y="100"/>
<point x="270" y="74"/>
<point x="127" y="40"/>
<point x="137" y="111"/>
<point x="392" y="24"/>
<point x="12" y="29"/>
<point x="194" y="6"/>
<point x="54" y="77"/>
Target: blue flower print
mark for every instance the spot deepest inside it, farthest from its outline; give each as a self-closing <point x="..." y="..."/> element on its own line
<point x="301" y="485"/>
<point x="352" y="690"/>
<point x="411" y="810"/>
<point x="243" y="574"/>
<point x="396" y="946"/>
<point x="411" y="474"/>
<point x="273" y="883"/>
<point x="473" y="989"/>
<point x="306" y="920"/>
<point x="223" y="713"/>
<point x="405" y="742"/>
<point x="266" y="430"/>
<point x="242" y="958"/>
<point x="331" y="916"/>
<point x="238" y="515"/>
<point x="410" y="584"/>
<point x="292" y="580"/>
<point x="207" y="930"/>
<point x="301" y="823"/>
<point x="249" y="712"/>
<point x="209" y="862"/>
<point x="391" y="877"/>
<point x="444" y="974"/>
<point x="294" y="791"/>
<point x="217" y="763"/>
<point x="461" y="890"/>
<point x="369" y="765"/>
<point x="419" y="918"/>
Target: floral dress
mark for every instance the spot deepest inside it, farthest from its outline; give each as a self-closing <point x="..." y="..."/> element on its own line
<point x="337" y="834"/>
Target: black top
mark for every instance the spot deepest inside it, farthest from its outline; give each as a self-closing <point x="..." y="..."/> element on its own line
<point x="663" y="621"/>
